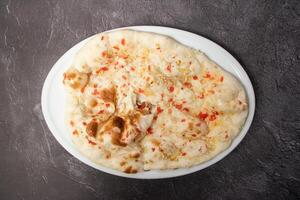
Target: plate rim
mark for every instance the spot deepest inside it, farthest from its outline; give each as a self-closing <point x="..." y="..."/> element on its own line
<point x="156" y="174"/>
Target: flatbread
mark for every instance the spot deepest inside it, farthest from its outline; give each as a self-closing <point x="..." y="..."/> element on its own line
<point x="141" y="101"/>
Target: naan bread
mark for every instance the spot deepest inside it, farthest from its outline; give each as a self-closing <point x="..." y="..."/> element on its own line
<point x="141" y="101"/>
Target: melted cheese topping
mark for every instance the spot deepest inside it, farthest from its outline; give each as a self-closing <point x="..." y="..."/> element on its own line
<point x="140" y="101"/>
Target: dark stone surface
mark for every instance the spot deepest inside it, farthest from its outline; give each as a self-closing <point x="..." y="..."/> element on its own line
<point x="263" y="35"/>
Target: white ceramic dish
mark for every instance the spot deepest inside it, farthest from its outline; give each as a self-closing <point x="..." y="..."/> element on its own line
<point x="53" y="99"/>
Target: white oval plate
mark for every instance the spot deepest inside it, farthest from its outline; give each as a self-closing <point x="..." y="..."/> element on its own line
<point x="53" y="98"/>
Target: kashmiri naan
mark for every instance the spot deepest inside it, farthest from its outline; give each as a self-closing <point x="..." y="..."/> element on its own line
<point x="141" y="101"/>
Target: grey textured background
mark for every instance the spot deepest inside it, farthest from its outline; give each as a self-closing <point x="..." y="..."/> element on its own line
<point x="263" y="35"/>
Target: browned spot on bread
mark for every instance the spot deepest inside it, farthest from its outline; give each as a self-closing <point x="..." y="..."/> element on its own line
<point x="118" y="124"/>
<point x="99" y="138"/>
<point x="108" y="94"/>
<point x="75" y="85"/>
<point x="108" y="155"/>
<point x="134" y="118"/>
<point x="91" y="142"/>
<point x="135" y="155"/>
<point x="115" y="139"/>
<point x="93" y="103"/>
<point x="69" y="75"/>
<point x="72" y="123"/>
<point x="75" y="79"/>
<point x="84" y="86"/>
<point x="92" y="128"/>
<point x="155" y="142"/>
<point x="191" y="126"/>
<point x="122" y="163"/>
<point x="128" y="170"/>
<point x="144" y="107"/>
<point x="75" y="132"/>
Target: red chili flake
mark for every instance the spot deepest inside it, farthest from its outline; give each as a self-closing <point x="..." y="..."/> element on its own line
<point x="101" y="112"/>
<point x="95" y="92"/>
<point x="153" y="149"/>
<point x="201" y="96"/>
<point x="123" y="41"/>
<point x="159" y="110"/>
<point x="102" y="37"/>
<point x="202" y="115"/>
<point x="104" y="68"/>
<point x="155" y="118"/>
<point x="186" y="109"/>
<point x="171" y="89"/>
<point x="101" y="69"/>
<point x="140" y="90"/>
<point x="107" y="105"/>
<point x="195" y="77"/>
<point x="183" y="120"/>
<point x="212" y="117"/>
<point x="124" y="56"/>
<point x="170" y="100"/>
<point x="198" y="124"/>
<point x="104" y="54"/>
<point x="207" y="75"/>
<point x="132" y="68"/>
<point x="71" y="123"/>
<point x="116" y="47"/>
<point x="187" y="84"/>
<point x="124" y="77"/>
<point x="183" y="154"/>
<point x="75" y="132"/>
<point x="84" y="123"/>
<point x="178" y="106"/>
<point x="216" y="112"/>
<point x="184" y="101"/>
<point x="149" y="130"/>
<point x="169" y="68"/>
<point x="82" y="89"/>
<point x="222" y="78"/>
<point x="92" y="143"/>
